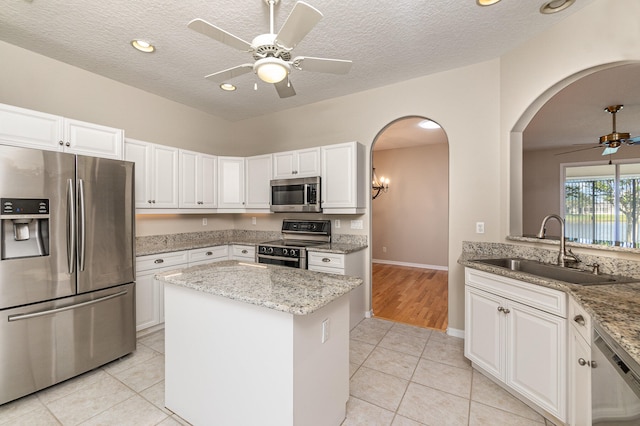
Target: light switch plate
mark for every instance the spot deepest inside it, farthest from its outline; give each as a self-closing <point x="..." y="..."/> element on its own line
<point x="356" y="224"/>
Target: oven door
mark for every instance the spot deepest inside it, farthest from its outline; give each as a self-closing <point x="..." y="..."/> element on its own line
<point x="615" y="388"/>
<point x="282" y="261"/>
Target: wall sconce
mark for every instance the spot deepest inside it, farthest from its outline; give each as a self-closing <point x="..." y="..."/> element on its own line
<point x="378" y="186"/>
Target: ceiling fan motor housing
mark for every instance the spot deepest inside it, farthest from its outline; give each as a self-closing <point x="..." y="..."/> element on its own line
<point x="264" y="46"/>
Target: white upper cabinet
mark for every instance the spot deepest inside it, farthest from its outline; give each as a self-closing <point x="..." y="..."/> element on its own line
<point x="157" y="180"/>
<point x="33" y="129"/>
<point x="258" y="177"/>
<point x="299" y="163"/>
<point x="343" y="181"/>
<point x="198" y="180"/>
<point x="231" y="184"/>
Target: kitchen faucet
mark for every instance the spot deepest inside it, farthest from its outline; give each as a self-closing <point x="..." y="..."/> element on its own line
<point x="565" y="256"/>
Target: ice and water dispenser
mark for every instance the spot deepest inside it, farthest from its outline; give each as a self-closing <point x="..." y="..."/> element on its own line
<point x="25" y="228"/>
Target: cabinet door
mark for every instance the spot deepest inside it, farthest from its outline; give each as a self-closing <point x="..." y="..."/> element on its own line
<point x="140" y="153"/>
<point x="536" y="351"/>
<point x="342" y="186"/>
<point x="165" y="179"/>
<point x="147" y="300"/>
<point x="258" y="189"/>
<point x="208" y="179"/>
<point x="230" y="182"/>
<point x="308" y="162"/>
<point x="31" y="129"/>
<point x="92" y="139"/>
<point x="579" y="379"/>
<point x="189" y="185"/>
<point x="484" y="331"/>
<point x="284" y="165"/>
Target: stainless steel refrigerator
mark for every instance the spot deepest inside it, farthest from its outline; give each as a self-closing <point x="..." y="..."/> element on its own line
<point x="67" y="298"/>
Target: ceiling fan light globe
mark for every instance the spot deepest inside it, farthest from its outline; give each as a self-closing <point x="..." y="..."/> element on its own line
<point x="271" y="70"/>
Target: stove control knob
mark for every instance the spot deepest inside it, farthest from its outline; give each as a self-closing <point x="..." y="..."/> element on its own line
<point x="270" y="250"/>
<point x="294" y="253"/>
<point x="285" y="252"/>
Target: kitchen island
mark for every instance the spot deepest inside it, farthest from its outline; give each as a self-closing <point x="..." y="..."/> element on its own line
<point x="250" y="344"/>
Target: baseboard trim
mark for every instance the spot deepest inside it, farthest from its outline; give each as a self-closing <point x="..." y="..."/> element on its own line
<point x="413" y="265"/>
<point x="455" y="332"/>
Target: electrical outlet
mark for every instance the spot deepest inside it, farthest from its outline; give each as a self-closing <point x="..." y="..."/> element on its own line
<point x="384" y="249"/>
<point x="204" y="221"/>
<point x="325" y="330"/>
<point x="253" y="220"/>
<point x="336" y="223"/>
<point x="479" y="227"/>
<point x="356" y="224"/>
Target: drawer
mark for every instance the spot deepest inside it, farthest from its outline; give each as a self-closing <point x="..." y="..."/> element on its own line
<point x="209" y="253"/>
<point x="244" y="251"/>
<point x="536" y="296"/>
<point x="580" y="320"/>
<point x="326" y="269"/>
<point x="331" y="260"/>
<point x="162" y="260"/>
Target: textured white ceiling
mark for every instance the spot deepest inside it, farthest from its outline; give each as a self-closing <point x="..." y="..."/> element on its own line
<point x="388" y="42"/>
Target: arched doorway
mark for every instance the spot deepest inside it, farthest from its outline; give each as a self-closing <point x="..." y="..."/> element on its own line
<point x="409" y="236"/>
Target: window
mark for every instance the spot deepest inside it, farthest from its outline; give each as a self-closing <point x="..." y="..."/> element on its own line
<point x="602" y="204"/>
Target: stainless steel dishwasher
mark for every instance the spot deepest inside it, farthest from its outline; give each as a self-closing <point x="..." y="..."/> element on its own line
<point x="615" y="383"/>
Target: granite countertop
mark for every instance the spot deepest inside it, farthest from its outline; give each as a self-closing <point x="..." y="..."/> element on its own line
<point x="157" y="244"/>
<point x="291" y="290"/>
<point x="615" y="307"/>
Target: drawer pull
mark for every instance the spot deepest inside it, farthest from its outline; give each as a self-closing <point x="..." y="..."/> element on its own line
<point x="244" y="251"/>
<point x="326" y="259"/>
<point x="579" y="319"/>
<point x="209" y="253"/>
<point x="158" y="261"/>
<point x="583" y="362"/>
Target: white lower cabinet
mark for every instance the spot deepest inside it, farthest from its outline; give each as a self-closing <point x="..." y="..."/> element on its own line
<point x="579" y="365"/>
<point x="343" y="264"/>
<point x="516" y="332"/>
<point x="149" y="292"/>
<point x="245" y="253"/>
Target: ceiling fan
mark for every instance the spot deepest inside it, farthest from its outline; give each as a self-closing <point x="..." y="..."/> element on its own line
<point x="614" y="140"/>
<point x="272" y="52"/>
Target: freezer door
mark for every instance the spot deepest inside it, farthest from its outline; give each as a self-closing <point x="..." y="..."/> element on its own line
<point x="49" y="342"/>
<point x="29" y="277"/>
<point x="106" y="217"/>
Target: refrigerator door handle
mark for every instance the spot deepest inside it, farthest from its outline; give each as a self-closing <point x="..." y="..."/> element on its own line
<point x="19" y="317"/>
<point x="71" y="228"/>
<point x="81" y="225"/>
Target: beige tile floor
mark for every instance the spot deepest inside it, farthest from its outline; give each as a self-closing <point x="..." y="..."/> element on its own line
<point x="400" y="376"/>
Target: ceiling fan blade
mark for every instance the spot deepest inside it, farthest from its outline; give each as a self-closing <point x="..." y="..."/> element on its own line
<point x="609" y="150"/>
<point x="333" y="66"/>
<point x="285" y="88"/>
<point x="634" y="140"/>
<point x="210" y="30"/>
<point x="298" y="24"/>
<point x="228" y="74"/>
<point x="578" y="150"/>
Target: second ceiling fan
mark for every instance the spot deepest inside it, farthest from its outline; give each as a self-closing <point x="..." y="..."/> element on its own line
<point x="272" y="52"/>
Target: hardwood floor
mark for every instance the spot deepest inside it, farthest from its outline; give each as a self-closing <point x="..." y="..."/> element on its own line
<point x="409" y="295"/>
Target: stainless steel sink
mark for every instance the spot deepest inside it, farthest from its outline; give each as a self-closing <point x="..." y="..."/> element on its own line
<point x="559" y="273"/>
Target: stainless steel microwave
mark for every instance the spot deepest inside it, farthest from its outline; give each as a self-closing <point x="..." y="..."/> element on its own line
<point x="296" y="195"/>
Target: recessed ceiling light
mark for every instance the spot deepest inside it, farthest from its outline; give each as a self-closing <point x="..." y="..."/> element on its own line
<point x="486" y="2"/>
<point x="428" y="124"/>
<point x="555" y="6"/>
<point x="143" y="46"/>
<point x="228" y="87"/>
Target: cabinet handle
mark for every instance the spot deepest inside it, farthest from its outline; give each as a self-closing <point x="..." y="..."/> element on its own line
<point x="579" y="319"/>
<point x="326" y="259"/>
<point x="506" y="311"/>
<point x="158" y="261"/>
<point x="154" y="201"/>
<point x="149" y="201"/>
<point x="244" y="251"/>
<point x="583" y="362"/>
<point x="209" y="253"/>
<point x="60" y="143"/>
<point x="500" y="309"/>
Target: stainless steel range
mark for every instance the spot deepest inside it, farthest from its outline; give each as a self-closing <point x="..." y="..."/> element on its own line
<point x="297" y="235"/>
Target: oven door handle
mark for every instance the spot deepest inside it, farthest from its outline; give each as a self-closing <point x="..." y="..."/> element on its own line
<point x="289" y="259"/>
<point x="306" y="194"/>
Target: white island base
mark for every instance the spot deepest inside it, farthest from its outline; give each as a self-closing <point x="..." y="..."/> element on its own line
<point x="234" y="363"/>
